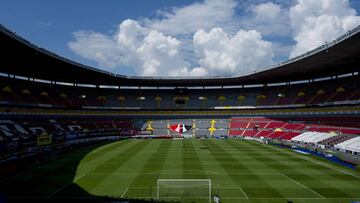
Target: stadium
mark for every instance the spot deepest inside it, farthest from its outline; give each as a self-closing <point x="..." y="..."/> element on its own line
<point x="74" y="133"/>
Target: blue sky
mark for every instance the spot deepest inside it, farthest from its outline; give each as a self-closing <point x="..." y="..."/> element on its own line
<point x="172" y="38"/>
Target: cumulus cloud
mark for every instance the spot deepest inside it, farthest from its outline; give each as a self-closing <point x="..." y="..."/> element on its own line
<point x="243" y="53"/>
<point x="269" y="18"/>
<point x="212" y="37"/>
<point x="183" y="22"/>
<point x="149" y="52"/>
<point x="267" y="11"/>
<point x="189" y="19"/>
<point x="183" y="42"/>
<point x="320" y="21"/>
<point x="97" y="47"/>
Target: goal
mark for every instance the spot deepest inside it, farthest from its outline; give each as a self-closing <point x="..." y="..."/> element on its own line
<point x="168" y="189"/>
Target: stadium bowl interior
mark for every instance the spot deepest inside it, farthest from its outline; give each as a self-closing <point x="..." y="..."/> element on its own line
<point x="76" y="133"/>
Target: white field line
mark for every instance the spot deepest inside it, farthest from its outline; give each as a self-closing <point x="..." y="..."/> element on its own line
<point x="25" y="172"/>
<point x="182" y="171"/>
<point x="304" y="186"/>
<point x="188" y="152"/>
<point x="273" y="198"/>
<point x="20" y="174"/>
<point x="78" y="178"/>
<point x="215" y="187"/>
<point x="226" y="187"/>
<point x="253" y="198"/>
<point x="170" y="197"/>
<point x="66" y="185"/>
<point x="243" y="192"/>
<point x="59" y="189"/>
<point x="317" y="162"/>
<point x="176" y="173"/>
<point x="125" y="191"/>
<point x="138" y="188"/>
<point x="43" y="165"/>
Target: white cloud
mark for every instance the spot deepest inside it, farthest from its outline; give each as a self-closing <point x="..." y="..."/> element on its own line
<point x="269" y="18"/>
<point x="320" y="21"/>
<point x="267" y="11"/>
<point x="241" y="54"/>
<point x="204" y="38"/>
<point x="149" y="52"/>
<point x="183" y="22"/>
<point x="97" y="47"/>
<point x="189" y="19"/>
<point x="169" y="47"/>
<point x="160" y="55"/>
<point x="130" y="34"/>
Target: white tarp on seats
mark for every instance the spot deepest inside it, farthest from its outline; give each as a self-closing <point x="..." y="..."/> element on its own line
<point x="312" y="137"/>
<point x="351" y="145"/>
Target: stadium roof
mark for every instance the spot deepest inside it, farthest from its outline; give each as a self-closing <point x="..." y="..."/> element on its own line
<point x="22" y="58"/>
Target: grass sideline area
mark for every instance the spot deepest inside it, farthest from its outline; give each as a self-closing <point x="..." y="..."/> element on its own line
<point x="240" y="171"/>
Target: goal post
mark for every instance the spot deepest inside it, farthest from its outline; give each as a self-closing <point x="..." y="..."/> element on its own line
<point x="168" y="189"/>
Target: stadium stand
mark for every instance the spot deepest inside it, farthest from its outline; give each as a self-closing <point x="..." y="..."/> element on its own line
<point x="21" y="134"/>
<point x="312" y="137"/>
<point x="332" y="141"/>
<point x="293" y="128"/>
<point x="16" y="92"/>
<point x="351" y="146"/>
<point x="293" y="102"/>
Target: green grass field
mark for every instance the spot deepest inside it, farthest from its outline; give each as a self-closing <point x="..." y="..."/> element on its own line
<point x="240" y="171"/>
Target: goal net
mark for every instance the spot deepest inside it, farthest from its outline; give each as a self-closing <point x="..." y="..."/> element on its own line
<point x="168" y="189"/>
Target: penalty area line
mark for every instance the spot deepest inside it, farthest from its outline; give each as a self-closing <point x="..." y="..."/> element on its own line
<point x="310" y="159"/>
<point x="65" y="186"/>
<point x="304" y="186"/>
<point x="243" y="192"/>
<point x="125" y="191"/>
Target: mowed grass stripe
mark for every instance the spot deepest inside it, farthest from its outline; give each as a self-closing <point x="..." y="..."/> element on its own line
<point x="144" y="184"/>
<point x="326" y="185"/>
<point x="104" y="150"/>
<point x="103" y="161"/>
<point x="84" y="168"/>
<point x="316" y="161"/>
<point x="45" y="180"/>
<point x="102" y="155"/>
<point x="252" y="184"/>
<point x="260" y="170"/>
<point x="115" y="185"/>
<point x="191" y="161"/>
<point x="222" y="184"/>
<point x="120" y="158"/>
<point x="172" y="168"/>
<point x="330" y="183"/>
<point x="285" y="182"/>
<point x="243" y="154"/>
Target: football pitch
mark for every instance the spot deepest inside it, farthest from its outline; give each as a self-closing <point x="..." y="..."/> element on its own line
<point x="239" y="171"/>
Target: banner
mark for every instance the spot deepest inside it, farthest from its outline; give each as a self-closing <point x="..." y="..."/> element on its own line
<point x="180" y="128"/>
<point x="44" y="139"/>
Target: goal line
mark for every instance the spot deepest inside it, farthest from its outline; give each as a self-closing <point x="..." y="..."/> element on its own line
<point x="177" y="188"/>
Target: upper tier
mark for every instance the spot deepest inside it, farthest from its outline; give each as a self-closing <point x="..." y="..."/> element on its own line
<point x="16" y="92"/>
